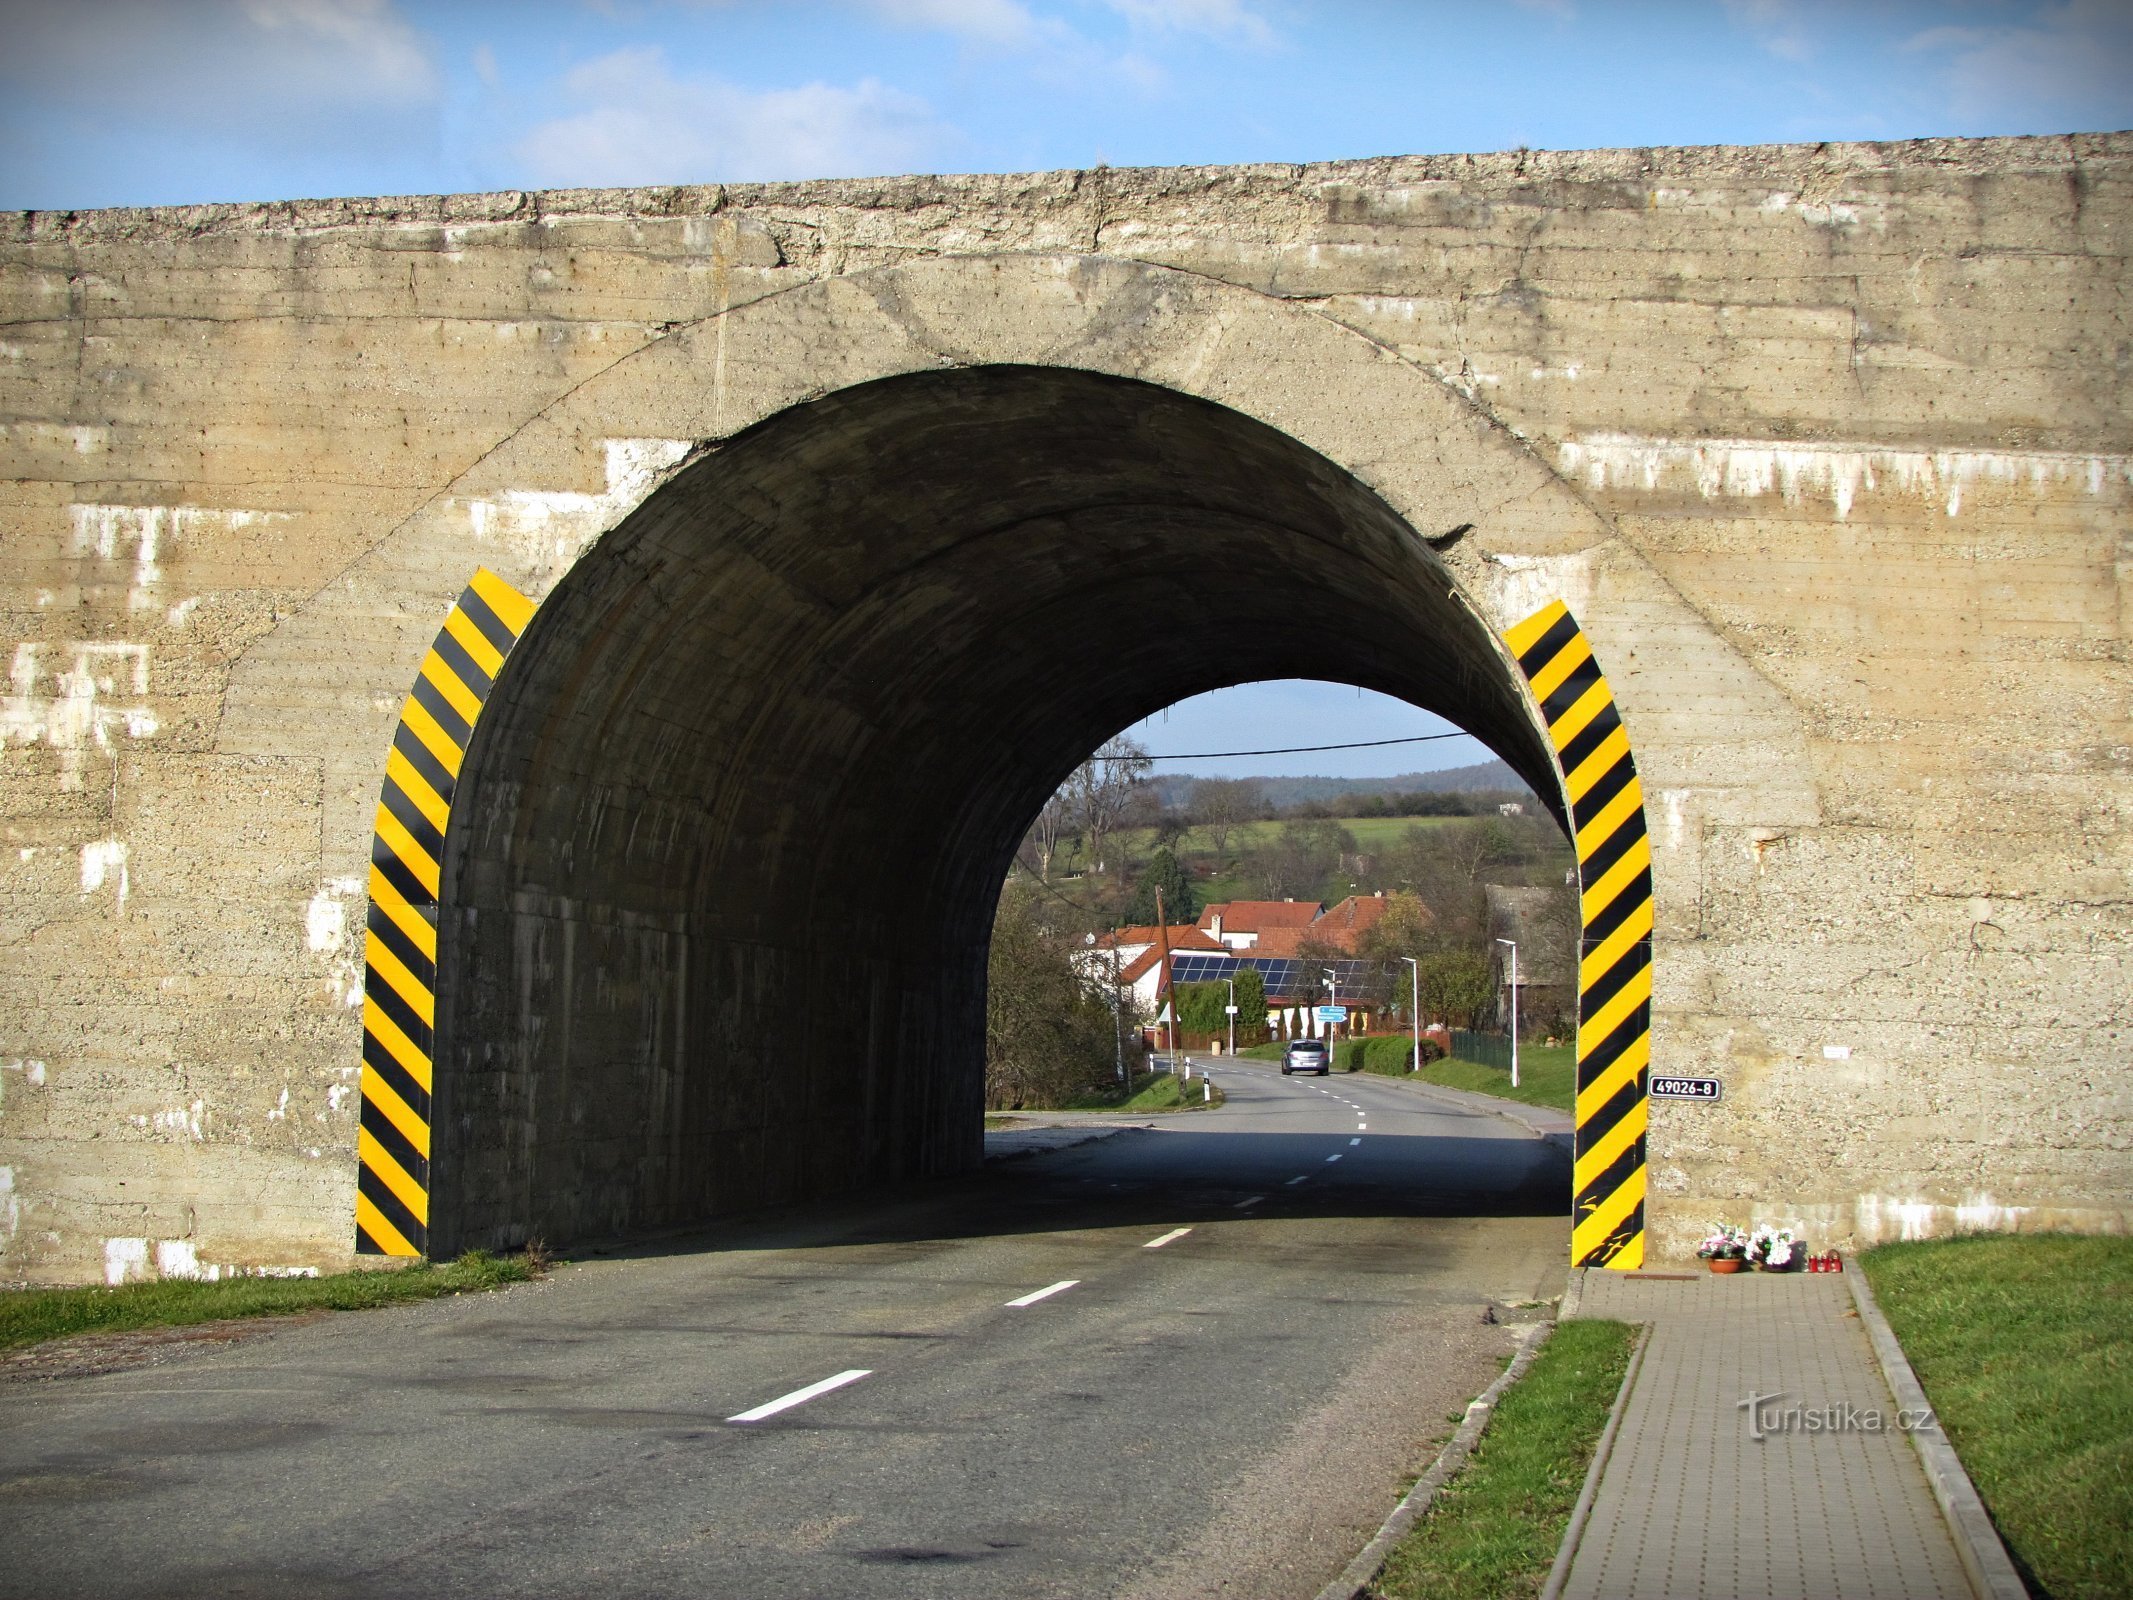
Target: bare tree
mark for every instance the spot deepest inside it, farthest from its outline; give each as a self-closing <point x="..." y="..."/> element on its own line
<point x="1047" y="830"/>
<point x="1101" y="788"/>
<point x="1219" y="805"/>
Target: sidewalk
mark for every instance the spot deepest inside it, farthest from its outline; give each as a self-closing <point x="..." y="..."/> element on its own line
<point x="1691" y="1503"/>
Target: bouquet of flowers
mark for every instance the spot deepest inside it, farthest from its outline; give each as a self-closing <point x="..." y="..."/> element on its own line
<point x="1726" y="1243"/>
<point x="1772" y="1249"/>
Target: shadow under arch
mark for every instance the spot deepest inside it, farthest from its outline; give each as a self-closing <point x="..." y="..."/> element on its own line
<point x="723" y="857"/>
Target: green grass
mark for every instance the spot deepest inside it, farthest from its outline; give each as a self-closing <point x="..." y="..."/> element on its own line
<point x="2025" y="1347"/>
<point x="1492" y="1532"/>
<point x="30" y="1316"/>
<point x="1372" y="835"/>
<point x="1149" y="1091"/>
<point x="1547" y="1074"/>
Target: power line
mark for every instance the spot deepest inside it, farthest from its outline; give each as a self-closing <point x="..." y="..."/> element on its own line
<point x="1287" y="750"/>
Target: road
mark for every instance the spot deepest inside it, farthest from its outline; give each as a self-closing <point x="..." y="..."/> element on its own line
<point x="1194" y="1359"/>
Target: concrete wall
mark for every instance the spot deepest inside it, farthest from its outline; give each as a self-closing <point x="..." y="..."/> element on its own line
<point x="1826" y="447"/>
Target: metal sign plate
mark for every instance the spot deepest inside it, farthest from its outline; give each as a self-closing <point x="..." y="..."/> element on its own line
<point x="1705" y="1089"/>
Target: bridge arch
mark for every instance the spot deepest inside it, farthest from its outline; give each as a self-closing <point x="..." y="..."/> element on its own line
<point x="719" y="877"/>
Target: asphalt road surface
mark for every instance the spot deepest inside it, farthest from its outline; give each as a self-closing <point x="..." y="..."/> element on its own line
<point x="1197" y="1359"/>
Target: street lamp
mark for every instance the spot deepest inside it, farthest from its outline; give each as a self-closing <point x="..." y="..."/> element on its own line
<point x="1513" y="943"/>
<point x="1414" y="1010"/>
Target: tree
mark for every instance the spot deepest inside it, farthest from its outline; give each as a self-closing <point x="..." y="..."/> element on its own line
<point x="1458" y="987"/>
<point x="1200" y="1011"/>
<point x="1405" y="929"/>
<point x="1100" y="789"/>
<point x="1049" y="1027"/>
<point x="1220" y="805"/>
<point x="1046" y="831"/>
<point x="1301" y="857"/>
<point x="1181" y="905"/>
<point x="1251" y="1005"/>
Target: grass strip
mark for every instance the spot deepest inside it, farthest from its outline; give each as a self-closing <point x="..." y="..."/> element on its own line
<point x="31" y="1316"/>
<point x="2024" y="1344"/>
<point x="1547" y="1076"/>
<point x="1547" y="1073"/>
<point x="1492" y="1532"/>
<point x="1149" y="1091"/>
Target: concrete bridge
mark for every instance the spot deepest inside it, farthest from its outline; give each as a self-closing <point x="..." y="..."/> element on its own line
<point x="821" y="528"/>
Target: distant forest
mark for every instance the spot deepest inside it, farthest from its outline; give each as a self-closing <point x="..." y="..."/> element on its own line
<point x="1174" y="790"/>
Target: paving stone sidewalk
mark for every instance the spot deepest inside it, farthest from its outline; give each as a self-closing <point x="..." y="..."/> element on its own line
<point x="1692" y="1503"/>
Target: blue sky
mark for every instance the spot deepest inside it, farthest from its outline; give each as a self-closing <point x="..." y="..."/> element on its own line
<point x="158" y="102"/>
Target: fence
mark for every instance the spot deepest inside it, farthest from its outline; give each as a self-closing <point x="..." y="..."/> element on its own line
<point x="1490" y="1049"/>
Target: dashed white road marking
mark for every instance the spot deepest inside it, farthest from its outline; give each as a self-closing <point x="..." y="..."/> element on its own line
<point x="1046" y="1292"/>
<point x="1174" y="1233"/>
<point x="1335" y="1156"/>
<point x="1299" y="1178"/>
<point x="1253" y="1201"/>
<point x="800" y="1397"/>
<point x="1352" y="1143"/>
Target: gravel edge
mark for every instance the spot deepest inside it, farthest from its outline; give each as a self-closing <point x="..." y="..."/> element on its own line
<point x="1356" y="1576"/>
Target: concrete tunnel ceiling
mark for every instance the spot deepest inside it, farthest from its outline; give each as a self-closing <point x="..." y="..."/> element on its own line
<point x="723" y="865"/>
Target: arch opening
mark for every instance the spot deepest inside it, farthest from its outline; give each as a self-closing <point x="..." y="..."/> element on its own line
<point x="727" y="841"/>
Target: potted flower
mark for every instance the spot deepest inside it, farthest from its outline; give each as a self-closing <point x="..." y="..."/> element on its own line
<point x="1726" y="1248"/>
<point x="1773" y="1249"/>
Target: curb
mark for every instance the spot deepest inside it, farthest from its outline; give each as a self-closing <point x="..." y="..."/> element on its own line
<point x="1573" y="1296"/>
<point x="1355" y="1578"/>
<point x="1990" y="1569"/>
<point x="1581" y="1513"/>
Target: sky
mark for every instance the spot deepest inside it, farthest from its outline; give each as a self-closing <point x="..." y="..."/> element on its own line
<point x="165" y="102"/>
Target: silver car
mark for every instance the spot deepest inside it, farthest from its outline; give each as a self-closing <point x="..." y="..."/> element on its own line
<point x="1307" y="1055"/>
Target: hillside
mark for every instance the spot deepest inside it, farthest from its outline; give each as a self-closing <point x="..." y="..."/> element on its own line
<point x="1175" y="789"/>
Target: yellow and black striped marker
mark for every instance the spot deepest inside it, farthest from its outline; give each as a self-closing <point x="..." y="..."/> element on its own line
<point x="1615" y="967"/>
<point x="400" y="952"/>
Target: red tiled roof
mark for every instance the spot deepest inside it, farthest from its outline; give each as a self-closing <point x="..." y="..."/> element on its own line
<point x="1256" y="916"/>
<point x="1280" y="941"/>
<point x="1181" y="938"/>
<point x="1346" y="923"/>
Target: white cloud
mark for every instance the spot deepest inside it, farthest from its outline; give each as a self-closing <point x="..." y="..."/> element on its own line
<point x="1005" y="23"/>
<point x="2074" y="63"/>
<point x="1780" y="26"/>
<point x="641" y="124"/>
<point x="1218" y="19"/>
<point x="204" y="62"/>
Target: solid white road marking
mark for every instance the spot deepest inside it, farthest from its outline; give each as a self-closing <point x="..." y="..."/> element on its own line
<point x="800" y="1397"/>
<point x="1049" y="1290"/>
<point x="1174" y="1233"/>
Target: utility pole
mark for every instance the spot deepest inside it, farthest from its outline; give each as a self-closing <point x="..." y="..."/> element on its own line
<point x="1118" y="1019"/>
<point x="1414" y="1010"/>
<point x="1231" y="1009"/>
<point x="1513" y="943"/>
<point x="1163" y="984"/>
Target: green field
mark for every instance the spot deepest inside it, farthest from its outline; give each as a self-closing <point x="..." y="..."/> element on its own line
<point x="2025" y="1347"/>
<point x="1372" y="835"/>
